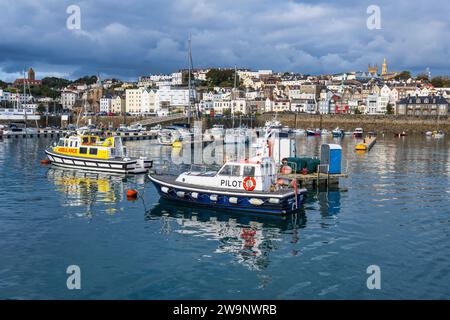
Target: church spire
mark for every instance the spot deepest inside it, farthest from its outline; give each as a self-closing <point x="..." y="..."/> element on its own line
<point x="384" y="68"/>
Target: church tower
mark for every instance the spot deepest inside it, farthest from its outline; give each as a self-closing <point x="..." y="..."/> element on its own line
<point x="384" y="69"/>
<point x="31" y="75"/>
<point x="373" y="70"/>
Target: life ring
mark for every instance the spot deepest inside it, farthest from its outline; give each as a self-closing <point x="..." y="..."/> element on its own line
<point x="251" y="186"/>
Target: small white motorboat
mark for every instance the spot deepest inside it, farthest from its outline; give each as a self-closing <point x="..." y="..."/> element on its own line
<point x="248" y="185"/>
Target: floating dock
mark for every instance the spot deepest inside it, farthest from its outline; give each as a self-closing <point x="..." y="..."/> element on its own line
<point x="126" y="136"/>
<point x="367" y="144"/>
<point x="315" y="178"/>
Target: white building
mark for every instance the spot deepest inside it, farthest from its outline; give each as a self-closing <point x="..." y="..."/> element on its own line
<point x="221" y="105"/>
<point x="149" y="101"/>
<point x="68" y="99"/>
<point x="19" y="98"/>
<point x="5" y="95"/>
<point x="133" y="100"/>
<point x="268" y="105"/>
<point x="177" y="78"/>
<point x="281" y="105"/>
<point x="175" y="97"/>
<point x="252" y="95"/>
<point x="205" y="106"/>
<point x="144" y="101"/>
<point x="105" y="104"/>
<point x="117" y="105"/>
<point x="239" y="106"/>
<point x="371" y="103"/>
<point x="383" y="99"/>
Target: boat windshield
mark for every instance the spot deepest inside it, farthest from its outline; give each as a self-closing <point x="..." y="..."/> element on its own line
<point x="230" y="170"/>
<point x="249" y="171"/>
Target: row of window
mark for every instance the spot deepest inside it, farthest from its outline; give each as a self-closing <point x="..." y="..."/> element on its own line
<point x="92" y="151"/>
<point x="66" y="143"/>
<point x="233" y="170"/>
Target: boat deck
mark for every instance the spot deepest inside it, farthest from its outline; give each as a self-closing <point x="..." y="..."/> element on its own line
<point x="171" y="179"/>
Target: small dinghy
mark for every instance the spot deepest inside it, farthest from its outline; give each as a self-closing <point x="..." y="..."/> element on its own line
<point x="338" y="132"/>
<point x="248" y="185"/>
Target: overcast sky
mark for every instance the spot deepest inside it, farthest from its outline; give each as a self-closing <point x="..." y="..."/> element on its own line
<point x="129" y="38"/>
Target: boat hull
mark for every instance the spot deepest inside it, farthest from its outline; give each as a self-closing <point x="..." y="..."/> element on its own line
<point x="229" y="199"/>
<point x="112" y="166"/>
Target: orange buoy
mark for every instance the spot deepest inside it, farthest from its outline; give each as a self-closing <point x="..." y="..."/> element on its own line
<point x="249" y="183"/>
<point x="132" y="194"/>
<point x="45" y="161"/>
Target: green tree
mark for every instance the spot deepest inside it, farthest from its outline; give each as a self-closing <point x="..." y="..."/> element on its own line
<point x="404" y="75"/>
<point x="55" y="83"/>
<point x="44" y="91"/>
<point x="422" y="76"/>
<point x="440" y="81"/>
<point x="88" y="80"/>
<point x="389" y="109"/>
<point x="357" y="111"/>
<point x="222" y="78"/>
<point x="3" y="85"/>
<point x="41" y="108"/>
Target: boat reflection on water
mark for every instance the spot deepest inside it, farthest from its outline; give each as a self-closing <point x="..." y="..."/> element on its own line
<point x="89" y="190"/>
<point x="249" y="238"/>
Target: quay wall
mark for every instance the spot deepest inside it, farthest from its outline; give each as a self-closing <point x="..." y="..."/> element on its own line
<point x="348" y="122"/>
<point x="105" y="121"/>
<point x="382" y="123"/>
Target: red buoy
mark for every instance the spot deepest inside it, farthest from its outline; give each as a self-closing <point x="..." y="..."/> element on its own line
<point x="45" y="161"/>
<point x="132" y="194"/>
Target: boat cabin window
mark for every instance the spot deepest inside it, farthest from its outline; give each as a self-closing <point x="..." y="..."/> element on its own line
<point x="230" y="170"/>
<point x="61" y="143"/>
<point x="66" y="143"/>
<point x="83" y="150"/>
<point x="93" y="151"/>
<point x="85" y="140"/>
<point x="249" y="171"/>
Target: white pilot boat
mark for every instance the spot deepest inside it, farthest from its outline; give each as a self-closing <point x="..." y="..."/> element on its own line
<point x="248" y="185"/>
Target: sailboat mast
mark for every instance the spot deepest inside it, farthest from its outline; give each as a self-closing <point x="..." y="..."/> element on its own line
<point x="189" y="80"/>
<point x="24" y="94"/>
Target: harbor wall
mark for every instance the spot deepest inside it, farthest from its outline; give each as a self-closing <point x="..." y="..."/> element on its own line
<point x="348" y="122"/>
<point x="56" y="121"/>
<point x="382" y="123"/>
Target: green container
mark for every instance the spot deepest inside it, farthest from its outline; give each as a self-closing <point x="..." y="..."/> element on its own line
<point x="312" y="165"/>
<point x="298" y="164"/>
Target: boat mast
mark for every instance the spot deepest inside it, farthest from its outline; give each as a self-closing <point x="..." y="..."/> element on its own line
<point x="234" y="92"/>
<point x="189" y="80"/>
<point x="24" y="94"/>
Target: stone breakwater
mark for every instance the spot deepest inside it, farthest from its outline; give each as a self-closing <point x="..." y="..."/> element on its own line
<point x="382" y="123"/>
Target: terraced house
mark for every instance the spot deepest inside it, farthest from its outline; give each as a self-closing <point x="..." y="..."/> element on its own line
<point x="423" y="106"/>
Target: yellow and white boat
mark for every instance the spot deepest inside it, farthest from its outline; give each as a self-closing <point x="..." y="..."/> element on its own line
<point x="89" y="152"/>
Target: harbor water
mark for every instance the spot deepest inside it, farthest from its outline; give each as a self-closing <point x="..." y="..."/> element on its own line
<point x="393" y="212"/>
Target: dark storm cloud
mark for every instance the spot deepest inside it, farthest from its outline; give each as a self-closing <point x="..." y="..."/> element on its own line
<point x="128" y="38"/>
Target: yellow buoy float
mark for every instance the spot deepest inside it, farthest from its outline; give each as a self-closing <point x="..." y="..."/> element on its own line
<point x="177" y="144"/>
<point x="367" y="143"/>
